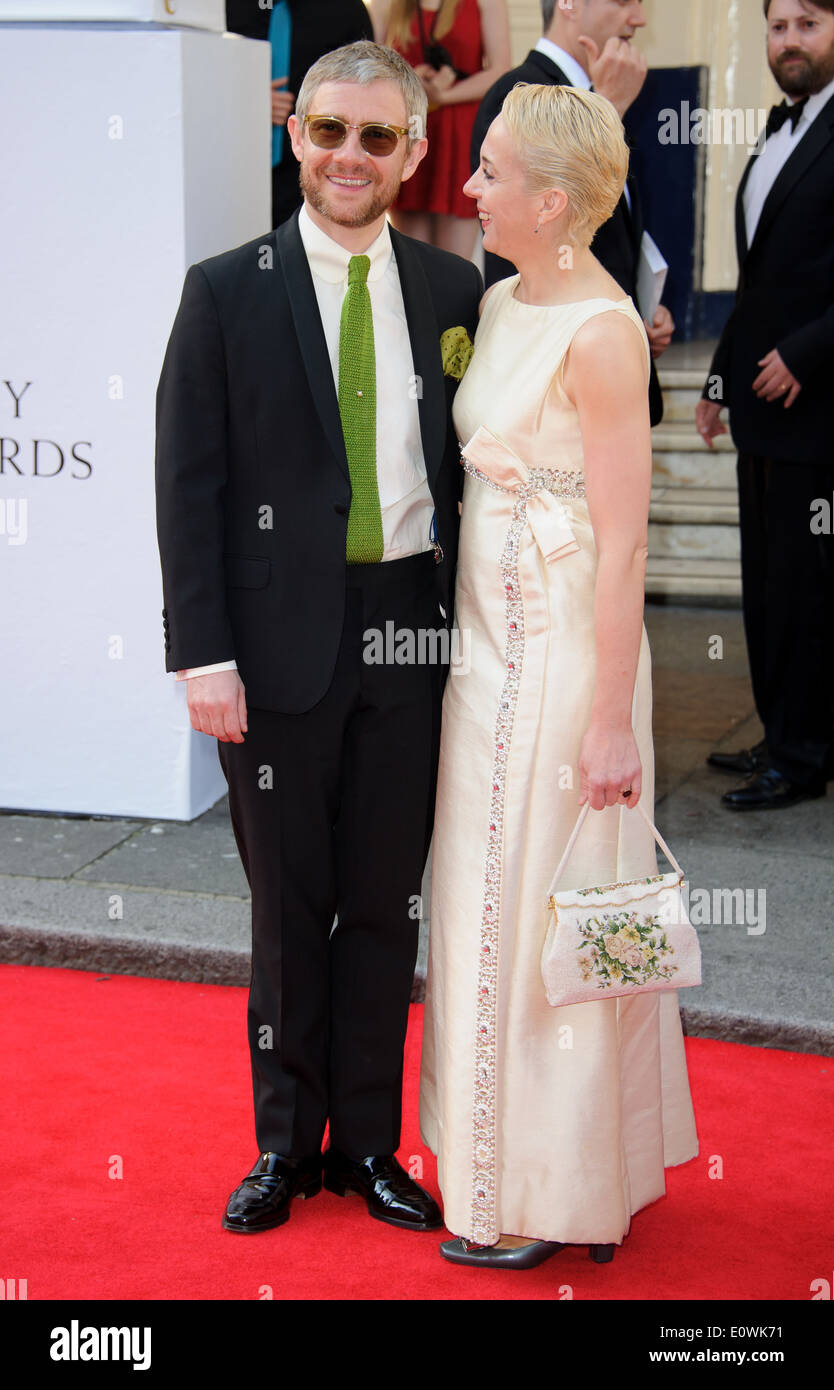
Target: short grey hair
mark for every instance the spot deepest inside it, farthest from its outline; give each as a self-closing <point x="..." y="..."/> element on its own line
<point x="548" y="6"/>
<point x="365" y="62"/>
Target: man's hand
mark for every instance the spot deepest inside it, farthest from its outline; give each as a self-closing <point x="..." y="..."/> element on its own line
<point x="282" y="102"/>
<point x="217" y="705"/>
<point x="660" y="332"/>
<point x="775" y="381"/>
<point x="618" y="72"/>
<point x="707" y="420"/>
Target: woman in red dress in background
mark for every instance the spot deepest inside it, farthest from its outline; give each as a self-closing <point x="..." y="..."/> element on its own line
<point x="476" y="37"/>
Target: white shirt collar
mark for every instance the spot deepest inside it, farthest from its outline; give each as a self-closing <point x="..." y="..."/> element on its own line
<point x="574" y="71"/>
<point x="330" y="261"/>
<point x="815" y="103"/>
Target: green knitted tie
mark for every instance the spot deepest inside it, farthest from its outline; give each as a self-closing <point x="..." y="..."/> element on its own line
<point x="357" y="407"/>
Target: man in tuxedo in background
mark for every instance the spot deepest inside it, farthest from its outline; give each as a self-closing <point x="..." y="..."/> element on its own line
<point x="587" y="43"/>
<point x="316" y="27"/>
<point x="308" y="479"/>
<point x="773" y="368"/>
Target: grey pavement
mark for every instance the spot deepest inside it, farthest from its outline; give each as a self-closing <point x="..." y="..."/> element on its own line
<point x="170" y="899"/>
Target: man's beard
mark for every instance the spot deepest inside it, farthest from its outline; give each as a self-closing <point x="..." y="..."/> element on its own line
<point x="362" y="217"/>
<point x="806" y="77"/>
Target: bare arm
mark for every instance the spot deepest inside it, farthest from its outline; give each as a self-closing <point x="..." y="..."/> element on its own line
<point x="607" y="378"/>
<point x="495" y="29"/>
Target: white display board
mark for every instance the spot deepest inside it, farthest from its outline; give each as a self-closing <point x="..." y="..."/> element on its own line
<point x="129" y="154"/>
<point x="199" y="14"/>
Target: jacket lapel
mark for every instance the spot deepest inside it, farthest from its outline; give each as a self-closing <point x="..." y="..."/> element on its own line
<point x="807" y="151"/>
<point x="741" y="220"/>
<point x="425" y="351"/>
<point x="310" y="334"/>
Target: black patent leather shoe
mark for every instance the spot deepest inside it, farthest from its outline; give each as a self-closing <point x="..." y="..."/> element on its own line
<point x="390" y="1193"/>
<point x="263" y="1198"/>
<point x="464" y="1252"/>
<point x="744" y="763"/>
<point x="768" y="790"/>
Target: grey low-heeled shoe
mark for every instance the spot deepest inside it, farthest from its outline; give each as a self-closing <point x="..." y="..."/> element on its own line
<point x="461" y="1252"/>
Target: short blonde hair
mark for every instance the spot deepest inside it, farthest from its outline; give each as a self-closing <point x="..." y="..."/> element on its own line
<point x="574" y="140"/>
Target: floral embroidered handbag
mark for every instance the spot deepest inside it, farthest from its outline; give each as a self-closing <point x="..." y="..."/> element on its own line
<point x="620" y="939"/>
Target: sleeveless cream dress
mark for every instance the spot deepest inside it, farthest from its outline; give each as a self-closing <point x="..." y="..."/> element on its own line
<point x="551" y="1123"/>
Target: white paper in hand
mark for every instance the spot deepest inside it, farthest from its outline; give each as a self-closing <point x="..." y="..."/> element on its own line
<point x="651" y="277"/>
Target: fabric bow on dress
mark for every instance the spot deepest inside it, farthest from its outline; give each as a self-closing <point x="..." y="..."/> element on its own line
<point x="501" y="467"/>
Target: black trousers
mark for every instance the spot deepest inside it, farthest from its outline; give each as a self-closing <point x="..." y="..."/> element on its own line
<point x="332" y="812"/>
<point x="788" y="599"/>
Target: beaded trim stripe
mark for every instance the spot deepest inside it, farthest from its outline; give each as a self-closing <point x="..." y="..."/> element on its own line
<point x="562" y="482"/>
<point x="484" y="1229"/>
<point x="565" y="484"/>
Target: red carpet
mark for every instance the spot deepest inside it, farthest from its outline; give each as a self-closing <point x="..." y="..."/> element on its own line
<point x="156" y="1074"/>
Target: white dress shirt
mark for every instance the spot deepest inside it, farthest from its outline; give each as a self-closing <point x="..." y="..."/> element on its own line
<point x="777" y="151"/>
<point x="574" y="71"/>
<point x="404" y="494"/>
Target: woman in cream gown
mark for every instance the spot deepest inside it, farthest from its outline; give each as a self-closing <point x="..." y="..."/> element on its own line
<point x="550" y="1125"/>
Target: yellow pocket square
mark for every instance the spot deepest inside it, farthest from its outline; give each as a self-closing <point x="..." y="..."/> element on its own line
<point x="456" y="349"/>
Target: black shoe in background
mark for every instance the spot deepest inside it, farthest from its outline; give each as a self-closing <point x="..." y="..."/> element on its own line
<point x="768" y="790"/>
<point x="744" y="763"/>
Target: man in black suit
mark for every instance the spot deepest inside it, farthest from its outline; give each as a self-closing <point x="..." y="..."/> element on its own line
<point x="302" y="533"/>
<point x="318" y="26"/>
<point x="588" y="43"/>
<point x="773" y="368"/>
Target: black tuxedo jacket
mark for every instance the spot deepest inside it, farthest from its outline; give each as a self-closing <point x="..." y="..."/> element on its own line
<point x="617" y="242"/>
<point x="785" y="300"/>
<point x="253" y="486"/>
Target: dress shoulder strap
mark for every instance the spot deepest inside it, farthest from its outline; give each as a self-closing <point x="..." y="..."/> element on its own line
<point x="589" y="308"/>
<point x="629" y="308"/>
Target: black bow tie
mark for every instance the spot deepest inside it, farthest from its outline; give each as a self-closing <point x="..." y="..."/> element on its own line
<point x="781" y="113"/>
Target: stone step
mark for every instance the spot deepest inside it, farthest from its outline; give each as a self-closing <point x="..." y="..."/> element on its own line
<point x="683" y="378"/>
<point x="695" y="581"/>
<point x="681" y="436"/>
<point x="693" y="518"/>
<point x="679" y="404"/>
<point x="688" y="362"/>
<point x="680" y="458"/>
<point x="678" y="540"/>
<point x="696" y="523"/>
<point x="716" y="506"/>
<point x="682" y="372"/>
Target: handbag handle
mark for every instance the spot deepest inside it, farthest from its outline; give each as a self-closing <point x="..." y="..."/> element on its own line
<point x="576" y="829"/>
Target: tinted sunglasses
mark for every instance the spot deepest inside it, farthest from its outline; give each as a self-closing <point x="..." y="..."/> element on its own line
<point x="330" y="133"/>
